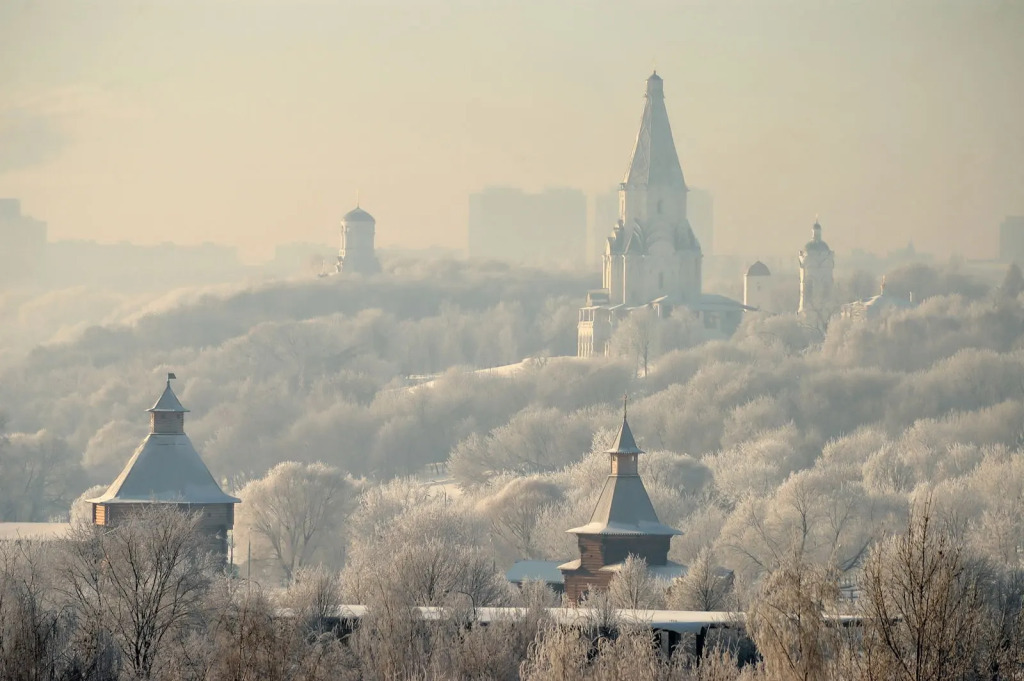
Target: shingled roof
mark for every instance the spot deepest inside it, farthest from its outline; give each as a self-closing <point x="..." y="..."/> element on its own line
<point x="624" y="508"/>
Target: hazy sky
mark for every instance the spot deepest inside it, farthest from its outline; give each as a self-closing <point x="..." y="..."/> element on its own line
<point x="256" y="122"/>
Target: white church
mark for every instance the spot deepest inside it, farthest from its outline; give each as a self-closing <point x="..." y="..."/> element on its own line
<point x="652" y="258"/>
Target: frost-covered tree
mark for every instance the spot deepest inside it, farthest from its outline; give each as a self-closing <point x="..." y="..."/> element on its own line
<point x="294" y="511"/>
<point x="634" y="587"/>
<point x="704" y="587"/>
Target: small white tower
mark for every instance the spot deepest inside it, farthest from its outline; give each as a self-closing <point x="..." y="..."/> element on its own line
<point x="756" y="283"/>
<point x="817" y="263"/>
<point x="358" y="229"/>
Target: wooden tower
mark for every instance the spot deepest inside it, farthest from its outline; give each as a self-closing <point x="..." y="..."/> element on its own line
<point x="166" y="469"/>
<point x="624" y="523"/>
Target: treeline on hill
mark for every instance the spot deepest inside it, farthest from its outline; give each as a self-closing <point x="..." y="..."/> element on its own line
<point x="144" y="601"/>
<point x="776" y="435"/>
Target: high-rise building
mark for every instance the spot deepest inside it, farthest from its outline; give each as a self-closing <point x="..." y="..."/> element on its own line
<point x="547" y="227"/>
<point x="1011" y="239"/>
<point x="606" y="214"/>
<point x="22" y="243"/>
<point x="700" y="211"/>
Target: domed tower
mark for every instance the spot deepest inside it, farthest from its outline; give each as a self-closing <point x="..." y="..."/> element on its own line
<point x="167" y="470"/>
<point x="756" y="283"/>
<point x="817" y="263"/>
<point x="358" y="229"/>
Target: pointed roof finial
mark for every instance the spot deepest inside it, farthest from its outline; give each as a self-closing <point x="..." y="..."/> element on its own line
<point x="882" y="289"/>
<point x="357" y="198"/>
<point x="168" y="400"/>
<point x="625" y="399"/>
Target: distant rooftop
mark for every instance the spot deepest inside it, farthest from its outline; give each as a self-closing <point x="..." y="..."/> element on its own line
<point x="35" y="531"/>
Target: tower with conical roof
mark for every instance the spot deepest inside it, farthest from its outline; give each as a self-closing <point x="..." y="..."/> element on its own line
<point x="356" y="255"/>
<point x="817" y="264"/>
<point x="623" y="523"/>
<point x="652" y="256"/>
<point x="652" y="251"/>
<point x="166" y="469"/>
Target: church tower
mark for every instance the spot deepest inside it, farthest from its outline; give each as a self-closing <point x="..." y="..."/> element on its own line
<point x="624" y="523"/>
<point x="817" y="263"/>
<point x="358" y="229"/>
<point x="167" y="470"/>
<point x="652" y="251"/>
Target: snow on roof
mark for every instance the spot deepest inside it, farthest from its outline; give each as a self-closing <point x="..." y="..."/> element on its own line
<point x="624" y="508"/>
<point x="38" y="531"/>
<point x="624" y="442"/>
<point x="714" y="302"/>
<point x="680" y="621"/>
<point x="165" y="468"/>
<point x="168" y="401"/>
<point x="535" y="570"/>
<point x="654" y="161"/>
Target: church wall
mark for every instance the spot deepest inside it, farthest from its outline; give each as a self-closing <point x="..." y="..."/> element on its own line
<point x="816" y="280"/>
<point x="633" y="280"/>
<point x="756" y="291"/>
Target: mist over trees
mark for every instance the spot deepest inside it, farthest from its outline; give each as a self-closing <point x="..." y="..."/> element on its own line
<point x="776" y="438"/>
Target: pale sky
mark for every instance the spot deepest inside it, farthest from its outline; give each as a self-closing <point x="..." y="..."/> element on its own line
<point x="253" y="122"/>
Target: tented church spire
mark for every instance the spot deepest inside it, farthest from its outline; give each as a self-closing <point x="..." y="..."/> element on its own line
<point x="654" y="161"/>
